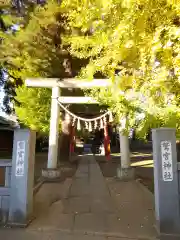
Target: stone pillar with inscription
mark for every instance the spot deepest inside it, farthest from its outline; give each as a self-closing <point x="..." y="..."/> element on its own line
<point x="22" y="178"/>
<point x="166" y="183"/>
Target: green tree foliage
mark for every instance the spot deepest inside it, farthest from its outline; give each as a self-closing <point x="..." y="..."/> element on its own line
<point x="10" y="15"/>
<point x="136" y="44"/>
<point x="20" y="59"/>
<point x="34" y="101"/>
<point x="36" y="50"/>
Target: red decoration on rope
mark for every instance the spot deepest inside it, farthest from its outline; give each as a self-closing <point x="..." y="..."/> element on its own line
<point x="107" y="142"/>
<point x="72" y="140"/>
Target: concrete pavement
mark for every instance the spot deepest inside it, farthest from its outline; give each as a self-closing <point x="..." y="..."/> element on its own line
<point x="91" y="207"/>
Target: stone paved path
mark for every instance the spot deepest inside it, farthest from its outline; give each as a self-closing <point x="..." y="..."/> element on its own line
<point x="93" y="208"/>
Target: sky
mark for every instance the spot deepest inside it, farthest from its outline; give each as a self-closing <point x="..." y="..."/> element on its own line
<point x="15" y="27"/>
<point x="2" y="96"/>
<point x="1" y="101"/>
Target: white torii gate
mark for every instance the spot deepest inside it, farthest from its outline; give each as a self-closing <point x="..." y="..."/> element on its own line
<point x="70" y="83"/>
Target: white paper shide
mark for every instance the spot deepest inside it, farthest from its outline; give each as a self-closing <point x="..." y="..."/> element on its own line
<point x="20" y="158"/>
<point x="166" y="156"/>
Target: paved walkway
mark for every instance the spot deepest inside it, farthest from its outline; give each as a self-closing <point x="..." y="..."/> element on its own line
<point x="91" y="208"/>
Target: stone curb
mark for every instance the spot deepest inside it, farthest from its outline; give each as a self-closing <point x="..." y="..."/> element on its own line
<point x="151" y="196"/>
<point x="38" y="186"/>
<point x="145" y="189"/>
<point x="66" y="187"/>
<point x="92" y="233"/>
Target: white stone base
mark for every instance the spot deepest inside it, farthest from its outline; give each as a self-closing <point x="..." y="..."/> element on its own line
<point x="125" y="174"/>
<point x="51" y="174"/>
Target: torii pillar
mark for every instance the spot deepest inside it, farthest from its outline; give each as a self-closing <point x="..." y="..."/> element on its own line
<point x="54" y="126"/>
<point x="124" y="171"/>
<point x="52" y="172"/>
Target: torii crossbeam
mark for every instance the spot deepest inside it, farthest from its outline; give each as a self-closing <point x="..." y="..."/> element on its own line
<point x="67" y="83"/>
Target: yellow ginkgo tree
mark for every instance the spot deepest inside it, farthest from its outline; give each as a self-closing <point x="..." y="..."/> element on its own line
<point x="135" y="43"/>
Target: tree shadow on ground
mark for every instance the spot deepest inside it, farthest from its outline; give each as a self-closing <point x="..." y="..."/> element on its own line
<point x="141" y="161"/>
